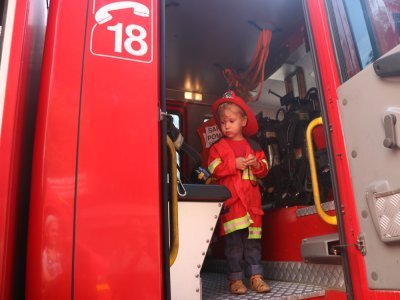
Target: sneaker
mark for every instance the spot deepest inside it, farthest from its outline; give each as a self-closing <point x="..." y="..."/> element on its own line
<point x="258" y="284"/>
<point x="237" y="287"/>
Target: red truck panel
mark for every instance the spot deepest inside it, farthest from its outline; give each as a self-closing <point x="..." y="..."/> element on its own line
<point x="118" y="237"/>
<point x="50" y="250"/>
<point x="17" y="116"/>
<point x="95" y="227"/>
<point x="283" y="232"/>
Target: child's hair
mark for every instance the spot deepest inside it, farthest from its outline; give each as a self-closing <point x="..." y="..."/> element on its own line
<point x="228" y="106"/>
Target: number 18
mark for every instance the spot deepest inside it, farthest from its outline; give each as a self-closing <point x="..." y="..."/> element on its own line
<point x="130" y="39"/>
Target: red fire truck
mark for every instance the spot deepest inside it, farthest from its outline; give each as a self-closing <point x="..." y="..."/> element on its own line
<point x="100" y="100"/>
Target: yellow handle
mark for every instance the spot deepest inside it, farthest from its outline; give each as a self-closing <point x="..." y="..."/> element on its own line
<point x="173" y="208"/>
<point x="327" y="218"/>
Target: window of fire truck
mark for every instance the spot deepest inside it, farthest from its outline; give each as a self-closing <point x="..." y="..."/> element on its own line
<point x="363" y="31"/>
<point x="364" y="43"/>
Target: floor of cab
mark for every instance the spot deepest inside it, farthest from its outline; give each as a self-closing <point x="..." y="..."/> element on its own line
<point x="214" y="286"/>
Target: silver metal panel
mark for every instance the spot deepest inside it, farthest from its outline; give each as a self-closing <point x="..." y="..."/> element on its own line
<point x="326" y="275"/>
<point x="195" y="232"/>
<point x="364" y="101"/>
<point x="215" y="286"/>
<point x="311" y="210"/>
<point x="317" y="249"/>
<point x="385" y="213"/>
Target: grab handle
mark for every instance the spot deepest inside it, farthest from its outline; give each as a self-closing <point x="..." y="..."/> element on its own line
<point x="388" y="66"/>
<point x="173" y="209"/>
<point x="327" y="218"/>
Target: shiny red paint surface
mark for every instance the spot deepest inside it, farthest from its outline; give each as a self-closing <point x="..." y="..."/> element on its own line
<point x="283" y="232"/>
<point x="318" y="137"/>
<point x="16" y="140"/>
<point x="95" y="214"/>
<point x="49" y="268"/>
<point x="335" y="295"/>
<point x="118" y="222"/>
<point x="330" y="81"/>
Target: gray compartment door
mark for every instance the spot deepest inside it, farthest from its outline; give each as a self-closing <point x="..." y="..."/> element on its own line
<point x="370" y="113"/>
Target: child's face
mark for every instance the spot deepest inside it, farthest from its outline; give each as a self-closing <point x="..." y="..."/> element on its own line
<point x="232" y="122"/>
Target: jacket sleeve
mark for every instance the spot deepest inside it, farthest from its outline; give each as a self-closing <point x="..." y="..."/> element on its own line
<point x="220" y="167"/>
<point x="263" y="171"/>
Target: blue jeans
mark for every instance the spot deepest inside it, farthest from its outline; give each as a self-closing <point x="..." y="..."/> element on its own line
<point x="237" y="246"/>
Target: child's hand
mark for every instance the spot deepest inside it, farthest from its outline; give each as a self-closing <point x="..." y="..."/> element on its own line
<point x="241" y="163"/>
<point x="252" y="161"/>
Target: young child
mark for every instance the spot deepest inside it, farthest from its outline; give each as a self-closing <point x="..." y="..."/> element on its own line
<point x="237" y="165"/>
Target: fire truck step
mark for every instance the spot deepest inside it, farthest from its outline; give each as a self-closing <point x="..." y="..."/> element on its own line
<point x="215" y="287"/>
<point x="329" y="276"/>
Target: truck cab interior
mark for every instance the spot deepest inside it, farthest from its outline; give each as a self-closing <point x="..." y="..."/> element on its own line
<point x="261" y="50"/>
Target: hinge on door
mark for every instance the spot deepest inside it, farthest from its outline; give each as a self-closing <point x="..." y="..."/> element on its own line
<point x="360" y="245"/>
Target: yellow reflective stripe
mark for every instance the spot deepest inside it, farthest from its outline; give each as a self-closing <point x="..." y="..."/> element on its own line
<point x="237" y="224"/>
<point x="255" y="232"/>
<point x="246" y="174"/>
<point x="214" y="164"/>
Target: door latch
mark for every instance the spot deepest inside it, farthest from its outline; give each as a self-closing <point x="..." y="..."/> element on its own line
<point x="360" y="245"/>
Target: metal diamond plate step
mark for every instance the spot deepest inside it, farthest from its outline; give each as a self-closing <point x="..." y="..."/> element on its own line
<point x="325" y="275"/>
<point x="215" y="287"/>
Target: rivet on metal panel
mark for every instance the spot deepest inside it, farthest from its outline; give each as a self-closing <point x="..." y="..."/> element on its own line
<point x="364" y="214"/>
<point x="354" y="154"/>
<point x="344" y="102"/>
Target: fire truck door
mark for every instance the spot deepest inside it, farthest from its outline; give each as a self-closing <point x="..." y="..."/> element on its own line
<point x="370" y="112"/>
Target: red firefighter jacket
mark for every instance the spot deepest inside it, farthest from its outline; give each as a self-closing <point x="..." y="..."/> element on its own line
<point x="243" y="209"/>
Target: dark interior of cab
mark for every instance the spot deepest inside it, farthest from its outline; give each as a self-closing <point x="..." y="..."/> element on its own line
<point x="260" y="49"/>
